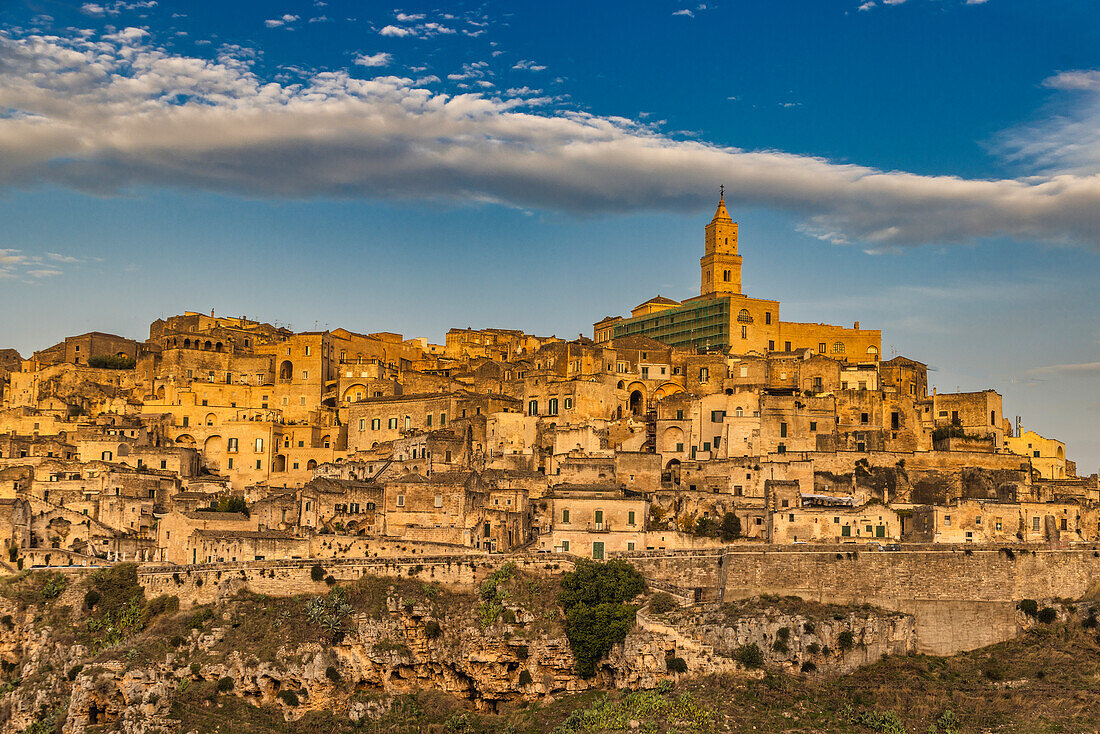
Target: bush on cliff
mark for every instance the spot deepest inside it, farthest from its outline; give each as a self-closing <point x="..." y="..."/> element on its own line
<point x="597" y="618"/>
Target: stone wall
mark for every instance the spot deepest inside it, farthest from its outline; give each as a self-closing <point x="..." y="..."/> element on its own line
<point x="961" y="599"/>
<point x="204" y="584"/>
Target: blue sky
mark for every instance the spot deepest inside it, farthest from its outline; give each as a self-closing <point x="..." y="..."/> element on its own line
<point x="927" y="167"/>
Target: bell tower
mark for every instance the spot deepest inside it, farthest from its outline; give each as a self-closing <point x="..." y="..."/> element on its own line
<point x="720" y="264"/>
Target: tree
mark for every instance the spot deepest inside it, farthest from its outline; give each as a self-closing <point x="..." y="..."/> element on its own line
<point x="731" y="527"/>
<point x="593" y="631"/>
<point x="596" y="617"/>
<point x="593" y="583"/>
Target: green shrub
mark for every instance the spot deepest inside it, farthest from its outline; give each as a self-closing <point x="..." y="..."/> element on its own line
<point x="290" y="698"/>
<point x="593" y="631"/>
<point x="176" y="641"/>
<point x="781" y="647"/>
<point x="662" y="602"/>
<point x="525" y="678"/>
<point x="195" y="669"/>
<point x="750" y="656"/>
<point x="846" y="640"/>
<point x="74" y="671"/>
<point x="7" y="621"/>
<point x="91" y="598"/>
<point x="594" y="583"/>
<point x="1090" y="621"/>
<point x="808" y="667"/>
<point x="809" y="628"/>
<point x="199" y="618"/>
<point x="813" y="648"/>
<point x="731" y="527"/>
<point x="112" y="362"/>
<point x="317" y="573"/>
<point x="225" y="684"/>
<point x="508" y="616"/>
<point x="432" y="630"/>
<point x="1030" y="607"/>
<point x="332" y="674"/>
<point x="596" y="617"/>
<point x="1047" y="615"/>
<point x="330" y="580"/>
<point x="676" y="665"/>
<point x="783" y="633"/>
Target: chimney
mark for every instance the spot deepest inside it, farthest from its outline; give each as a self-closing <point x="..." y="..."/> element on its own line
<point x="856" y="326"/>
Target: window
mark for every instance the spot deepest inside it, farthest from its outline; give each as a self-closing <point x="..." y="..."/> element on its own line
<point x="782" y="430"/>
<point x="680" y="448"/>
<point x="565" y="546"/>
<point x="363" y="424"/>
<point x="895" y="420"/>
<point x="629" y="546"/>
<point x="992" y="417"/>
<point x="947" y="520"/>
<point x="821" y="347"/>
<point x="400" y="500"/>
<point x="305" y="374"/>
<point x="813" y="425"/>
<point x="706" y="445"/>
<point x="259" y="464"/>
<point x="743" y="317"/>
<point x="864" y="418"/>
<point x="740" y="412"/>
<point x="771" y="345"/>
<point x="533" y="407"/>
<point x="679" y="415"/>
<point x="392" y="424"/>
<point x="787" y="346"/>
<point x="307" y="351"/>
<point x="565" y="516"/>
<point x="231" y="463"/>
<point x="997" y="523"/>
<point x="439" y="500"/>
<point x="744" y="332"/>
<point x="717" y="416"/>
<point x="259" y="444"/>
<point x="552" y="407"/>
<point x="163" y="464"/>
<point x="704" y="374"/>
<point x="630" y="518"/>
<point x="1035" y="524"/>
<point x="726" y="276"/>
<point x="428" y="421"/>
<point x="442" y="419"/>
<point x="599" y="518"/>
<point x="838" y="347"/>
<point x="846" y="531"/>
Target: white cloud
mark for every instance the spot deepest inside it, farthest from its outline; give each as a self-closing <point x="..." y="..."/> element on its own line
<point x="525" y="65"/>
<point x="103" y="9"/>
<point x="1076" y="80"/>
<point x="12" y="257"/>
<point x="976" y="2"/>
<point x="410" y="17"/>
<point x="867" y="5"/>
<point x="378" y="59"/>
<point x="286" y="20"/>
<point x="396" y="31"/>
<point x="115" y="113"/>
<point x="684" y="11"/>
<point x="43" y="273"/>
<point x="57" y="257"/>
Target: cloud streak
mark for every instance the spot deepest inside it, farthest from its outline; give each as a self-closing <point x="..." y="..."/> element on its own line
<point x="113" y="113"/>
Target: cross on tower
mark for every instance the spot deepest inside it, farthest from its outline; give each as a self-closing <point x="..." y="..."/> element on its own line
<point x="722" y="191"/>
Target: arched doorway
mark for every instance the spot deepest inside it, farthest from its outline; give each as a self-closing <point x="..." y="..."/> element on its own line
<point x="637" y="402"/>
<point x="286" y="370"/>
<point x="672" y="472"/>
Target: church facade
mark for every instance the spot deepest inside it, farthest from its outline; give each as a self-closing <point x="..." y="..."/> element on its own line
<point x="723" y="318"/>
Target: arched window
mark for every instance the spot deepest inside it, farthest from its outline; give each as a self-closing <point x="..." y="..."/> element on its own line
<point x="838" y="347"/>
<point x="872" y="351"/>
<point x="726" y="276"/>
<point x="743" y="317"/>
<point x="740" y="412"/>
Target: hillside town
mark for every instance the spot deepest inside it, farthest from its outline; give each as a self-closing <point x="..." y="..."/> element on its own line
<point x="686" y="425"/>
